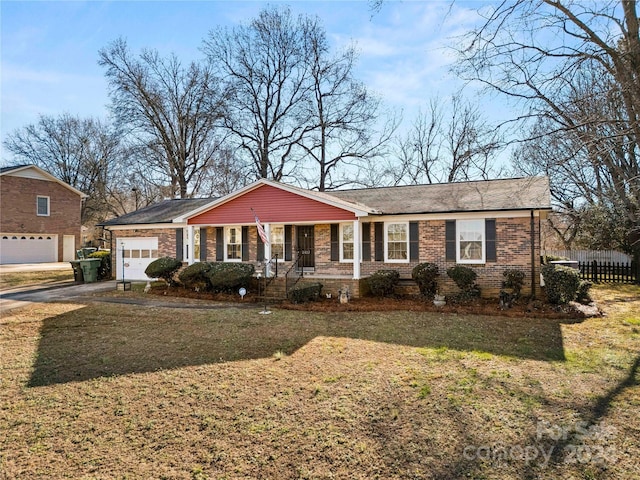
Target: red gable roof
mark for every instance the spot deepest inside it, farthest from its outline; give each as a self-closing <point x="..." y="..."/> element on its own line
<point x="272" y="205"/>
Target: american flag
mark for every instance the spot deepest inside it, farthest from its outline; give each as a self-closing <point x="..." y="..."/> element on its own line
<point x="261" y="232"/>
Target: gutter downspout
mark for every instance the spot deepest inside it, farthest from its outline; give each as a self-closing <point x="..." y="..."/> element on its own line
<point x="533" y="257"/>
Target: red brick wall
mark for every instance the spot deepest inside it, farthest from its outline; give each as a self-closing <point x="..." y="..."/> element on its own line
<point x="18" y="208"/>
<point x="513" y="248"/>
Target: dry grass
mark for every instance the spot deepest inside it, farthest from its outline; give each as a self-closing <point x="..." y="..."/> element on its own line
<point x="10" y="280"/>
<point x="119" y="391"/>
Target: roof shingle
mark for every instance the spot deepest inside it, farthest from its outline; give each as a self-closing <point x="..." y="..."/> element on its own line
<point x="163" y="212"/>
<point x="488" y="195"/>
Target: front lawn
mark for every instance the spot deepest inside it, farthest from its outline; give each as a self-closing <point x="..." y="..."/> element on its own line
<point x="119" y="391"/>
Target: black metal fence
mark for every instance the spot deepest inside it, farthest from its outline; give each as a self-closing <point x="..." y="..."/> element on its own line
<point x="610" y="272"/>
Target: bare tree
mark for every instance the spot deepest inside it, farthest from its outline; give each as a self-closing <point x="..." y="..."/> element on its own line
<point x="264" y="66"/>
<point x="448" y="144"/>
<point x="561" y="60"/>
<point x="586" y="163"/>
<point x="172" y="111"/>
<point x="80" y="152"/>
<point x="343" y="117"/>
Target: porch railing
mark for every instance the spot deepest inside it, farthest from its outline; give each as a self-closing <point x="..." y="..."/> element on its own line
<point x="269" y="279"/>
<point x="293" y="275"/>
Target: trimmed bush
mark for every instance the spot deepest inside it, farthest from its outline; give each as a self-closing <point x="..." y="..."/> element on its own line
<point x="465" y="279"/>
<point x="582" y="295"/>
<point x="195" y="276"/>
<point x="164" y="268"/>
<point x="561" y="283"/>
<point x="383" y="282"/>
<point x="229" y="277"/>
<point x="104" y="270"/>
<point x="513" y="279"/>
<point x="426" y="276"/>
<point x="305" y="293"/>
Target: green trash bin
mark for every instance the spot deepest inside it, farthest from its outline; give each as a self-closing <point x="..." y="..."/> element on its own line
<point x="77" y="271"/>
<point x="90" y="269"/>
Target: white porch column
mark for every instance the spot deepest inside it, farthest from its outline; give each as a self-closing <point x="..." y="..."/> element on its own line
<point x="357" y="254"/>
<point x="188" y="251"/>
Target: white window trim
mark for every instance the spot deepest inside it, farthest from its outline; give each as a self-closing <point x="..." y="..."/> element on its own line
<point x="341" y="237"/>
<point x="48" y="206"/>
<point x="227" y="231"/>
<point x="272" y="243"/>
<point x="386" y="243"/>
<point x="482" y="224"/>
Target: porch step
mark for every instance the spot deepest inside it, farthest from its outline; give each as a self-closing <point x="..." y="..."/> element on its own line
<point x="407" y="286"/>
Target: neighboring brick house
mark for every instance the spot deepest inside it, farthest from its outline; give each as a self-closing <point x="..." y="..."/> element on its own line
<point x="39" y="216"/>
<point x="487" y="225"/>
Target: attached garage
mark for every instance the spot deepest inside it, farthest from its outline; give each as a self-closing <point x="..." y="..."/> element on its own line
<point x="133" y="255"/>
<point x="28" y="248"/>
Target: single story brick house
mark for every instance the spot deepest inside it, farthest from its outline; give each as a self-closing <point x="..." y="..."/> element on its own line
<point x="40" y="216"/>
<point x="341" y="237"/>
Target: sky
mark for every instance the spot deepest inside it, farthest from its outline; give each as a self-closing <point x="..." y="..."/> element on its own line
<point x="49" y="49"/>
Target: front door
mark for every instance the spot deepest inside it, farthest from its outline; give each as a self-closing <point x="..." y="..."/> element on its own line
<point x="306" y="250"/>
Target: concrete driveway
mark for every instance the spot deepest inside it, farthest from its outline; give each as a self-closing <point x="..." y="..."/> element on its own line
<point x="11" y="298"/>
<point x="20" y="297"/>
<point x="34" y="267"/>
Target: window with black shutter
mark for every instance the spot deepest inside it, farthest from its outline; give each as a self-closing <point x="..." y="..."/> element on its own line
<point x="219" y="244"/>
<point x="378" y="228"/>
<point x="203" y="244"/>
<point x="179" y="243"/>
<point x="366" y="242"/>
<point x="491" y="240"/>
<point x="450" y="240"/>
<point x="245" y="244"/>
<point x="335" y="243"/>
<point x="414" y="241"/>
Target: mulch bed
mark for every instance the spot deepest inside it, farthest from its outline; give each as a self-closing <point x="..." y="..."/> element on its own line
<point x="481" y="306"/>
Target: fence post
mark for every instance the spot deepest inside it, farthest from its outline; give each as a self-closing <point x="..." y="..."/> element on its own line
<point x="594" y="271"/>
<point x="635" y="271"/>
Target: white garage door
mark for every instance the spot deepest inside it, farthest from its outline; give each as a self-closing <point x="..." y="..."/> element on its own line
<point x="134" y="255"/>
<point x="32" y="248"/>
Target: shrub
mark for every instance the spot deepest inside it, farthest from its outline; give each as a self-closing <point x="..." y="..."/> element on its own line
<point x="426" y="276"/>
<point x="582" y="295"/>
<point x="305" y="293"/>
<point x="513" y="279"/>
<point x="104" y="270"/>
<point x="228" y="277"/>
<point x="164" y="268"/>
<point x="465" y="279"/>
<point x="561" y="283"/>
<point x="195" y="276"/>
<point x="383" y="282"/>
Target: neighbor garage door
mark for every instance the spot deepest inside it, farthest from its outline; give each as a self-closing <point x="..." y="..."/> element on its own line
<point x="134" y="255"/>
<point x="20" y="248"/>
